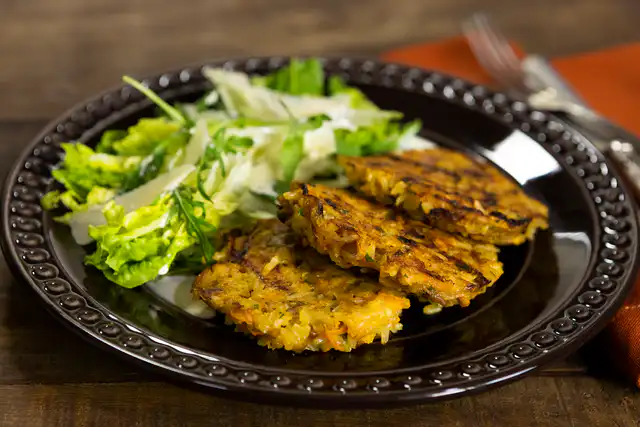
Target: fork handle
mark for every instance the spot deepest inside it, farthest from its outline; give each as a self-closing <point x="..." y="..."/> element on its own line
<point x="540" y="74"/>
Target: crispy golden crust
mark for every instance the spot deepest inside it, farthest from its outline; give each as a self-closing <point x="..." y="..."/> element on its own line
<point x="295" y="298"/>
<point x="452" y="192"/>
<point x="411" y="256"/>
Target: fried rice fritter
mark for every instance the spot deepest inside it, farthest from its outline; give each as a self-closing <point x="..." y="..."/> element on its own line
<point x="443" y="268"/>
<point x="450" y="191"/>
<point x="295" y="298"/>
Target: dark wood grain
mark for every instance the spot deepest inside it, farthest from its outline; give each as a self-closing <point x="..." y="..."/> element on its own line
<point x="54" y="53"/>
<point x="65" y="50"/>
<point x="538" y="401"/>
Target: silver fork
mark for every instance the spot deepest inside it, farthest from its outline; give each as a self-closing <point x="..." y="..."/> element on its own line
<point x="495" y="54"/>
<point x="535" y="81"/>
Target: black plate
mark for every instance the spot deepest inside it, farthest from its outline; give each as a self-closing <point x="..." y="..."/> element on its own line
<point x="556" y="292"/>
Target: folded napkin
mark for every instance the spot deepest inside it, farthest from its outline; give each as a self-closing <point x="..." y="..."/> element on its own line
<point x="608" y="80"/>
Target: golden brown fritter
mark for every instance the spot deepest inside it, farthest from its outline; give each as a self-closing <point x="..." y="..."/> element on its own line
<point x="410" y="256"/>
<point x="295" y="298"/>
<point x="450" y="191"/>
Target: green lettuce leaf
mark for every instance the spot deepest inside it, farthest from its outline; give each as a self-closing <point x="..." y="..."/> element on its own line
<point x="300" y="77"/>
<point x="291" y="155"/>
<point x="107" y="140"/>
<point x="358" y="100"/>
<point x="122" y="161"/>
<point x="137" y="247"/>
<point x="96" y="196"/>
<point x="142" y="138"/>
<point x="165" y="155"/>
<point x="83" y="169"/>
<point x="376" y="139"/>
<point x="131" y="201"/>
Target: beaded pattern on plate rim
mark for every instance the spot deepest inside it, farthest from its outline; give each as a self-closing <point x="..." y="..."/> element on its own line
<point x="25" y="221"/>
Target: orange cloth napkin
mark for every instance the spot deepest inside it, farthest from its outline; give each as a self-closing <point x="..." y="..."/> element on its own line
<point x="609" y="81"/>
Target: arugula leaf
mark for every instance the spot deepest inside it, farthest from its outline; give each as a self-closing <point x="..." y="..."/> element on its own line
<point x="164" y="106"/>
<point x="193" y="213"/>
<point x="213" y="153"/>
<point x="188" y="262"/>
<point x="235" y="143"/>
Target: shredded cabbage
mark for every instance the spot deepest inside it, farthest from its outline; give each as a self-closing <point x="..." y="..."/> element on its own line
<point x="157" y="197"/>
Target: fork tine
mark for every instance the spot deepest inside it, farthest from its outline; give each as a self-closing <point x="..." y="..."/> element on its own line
<point x="494" y="53"/>
<point x="499" y="41"/>
<point x="498" y="52"/>
<point x="478" y="46"/>
<point x="486" y="52"/>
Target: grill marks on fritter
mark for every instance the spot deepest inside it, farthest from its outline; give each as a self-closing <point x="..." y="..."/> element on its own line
<point x="511" y="221"/>
<point x="407" y="238"/>
<point x="237" y="251"/>
<point x="488" y="198"/>
<point x="480" y="279"/>
<point x="357" y="233"/>
<point x="237" y="254"/>
<point x="422" y="165"/>
<point x="407" y="241"/>
<point x="451" y="191"/>
<point x="294" y="298"/>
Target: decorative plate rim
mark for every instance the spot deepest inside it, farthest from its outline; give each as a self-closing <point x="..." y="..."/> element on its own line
<point x="30" y="255"/>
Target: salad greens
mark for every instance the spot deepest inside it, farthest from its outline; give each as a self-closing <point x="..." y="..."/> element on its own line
<point x="156" y="198"/>
<point x="299" y="78"/>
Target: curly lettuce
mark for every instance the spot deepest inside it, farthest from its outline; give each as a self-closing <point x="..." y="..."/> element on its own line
<point x="137" y="247"/>
<point x="88" y="176"/>
<point x="140" y="139"/>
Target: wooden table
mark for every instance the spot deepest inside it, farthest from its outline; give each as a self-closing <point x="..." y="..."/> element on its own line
<point x="54" y="53"/>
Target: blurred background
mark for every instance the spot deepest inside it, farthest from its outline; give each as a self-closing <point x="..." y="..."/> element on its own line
<point x="66" y="50"/>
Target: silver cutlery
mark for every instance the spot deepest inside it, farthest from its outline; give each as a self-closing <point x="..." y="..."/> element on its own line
<point x="534" y="81"/>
